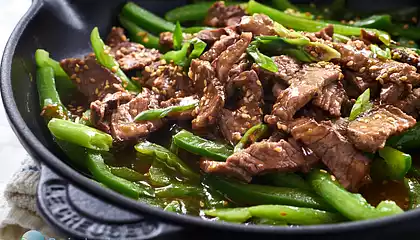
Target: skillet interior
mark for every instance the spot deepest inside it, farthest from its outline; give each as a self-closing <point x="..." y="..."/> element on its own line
<point x="63" y="28"/>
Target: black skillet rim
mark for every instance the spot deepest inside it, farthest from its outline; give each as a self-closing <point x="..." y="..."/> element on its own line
<point x="40" y="152"/>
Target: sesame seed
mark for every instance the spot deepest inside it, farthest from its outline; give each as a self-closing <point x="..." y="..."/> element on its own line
<point x="403" y="78"/>
<point x="86" y="67"/>
<point x="78" y="80"/>
<point x="114" y="69"/>
<point x="96" y="91"/>
<point x="362" y="69"/>
<point x="350" y="63"/>
<point x="148" y="69"/>
<point x="73" y="76"/>
<point x="259" y="83"/>
<point x="278" y="149"/>
<point x="92" y="80"/>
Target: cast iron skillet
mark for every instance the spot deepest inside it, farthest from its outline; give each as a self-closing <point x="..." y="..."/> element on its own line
<point x="78" y="206"/>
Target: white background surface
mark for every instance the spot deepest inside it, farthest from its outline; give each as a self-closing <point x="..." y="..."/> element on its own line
<point x="11" y="151"/>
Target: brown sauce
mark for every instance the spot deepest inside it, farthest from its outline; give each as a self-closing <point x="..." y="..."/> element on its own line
<point x="378" y="191"/>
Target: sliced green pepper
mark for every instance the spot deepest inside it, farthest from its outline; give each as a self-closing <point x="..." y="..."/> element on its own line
<point x="202" y="147"/>
<point x="413" y="187"/>
<point x="158" y="176"/>
<point x="175" y="190"/>
<point x="252" y="194"/>
<point x="362" y="105"/>
<point x="237" y="215"/>
<point x="251" y="135"/>
<point x="153" y="114"/>
<point x="138" y="34"/>
<point x="407" y="140"/>
<point x="127" y="174"/>
<point x="290" y="180"/>
<point x="397" y="163"/>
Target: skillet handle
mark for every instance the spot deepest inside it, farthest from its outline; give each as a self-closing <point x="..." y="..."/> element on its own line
<point x="79" y="214"/>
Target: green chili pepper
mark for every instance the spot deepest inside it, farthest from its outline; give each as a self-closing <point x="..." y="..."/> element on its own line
<point x="102" y="173"/>
<point x="302" y="24"/>
<point x="176" y="190"/>
<point x="179" y="57"/>
<point x="295" y="215"/>
<point x="48" y="96"/>
<point x="362" y="105"/>
<point x="198" y="48"/>
<point x="138" y="34"/>
<point x="352" y="206"/>
<point x="265" y="221"/>
<point x="190" y="12"/>
<point x="238" y="215"/>
<point x="80" y="134"/>
<point x="214" y="199"/>
<point x="408" y="140"/>
<point x="166" y="157"/>
<point x="340" y="38"/>
<point x="127" y="173"/>
<point x="42" y="59"/>
<point x="196" y="29"/>
<point x="379" y="53"/>
<point x="153" y="114"/>
<point x="252" y="194"/>
<point x="413" y="187"/>
<point x="404" y="31"/>
<point x="177" y="36"/>
<point x="251" y="135"/>
<point x="173" y="148"/>
<point x="106" y="60"/>
<point x="397" y="163"/>
<point x="290" y="180"/>
<point x="158" y="176"/>
<point x="382" y="22"/>
<point x="201" y="146"/>
<point x="262" y="60"/>
<point x="146" y="19"/>
<point x="283" y="5"/>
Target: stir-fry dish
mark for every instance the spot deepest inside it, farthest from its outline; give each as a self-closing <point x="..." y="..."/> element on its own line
<point x="244" y="112"/>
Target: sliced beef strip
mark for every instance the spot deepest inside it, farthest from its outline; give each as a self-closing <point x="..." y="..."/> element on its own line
<point x="218" y="47"/>
<point x="370" y="132"/>
<point x="406" y="56"/>
<point x="123" y="126"/>
<point x="134" y="56"/>
<point x="392" y="92"/>
<point x="331" y="98"/>
<point x="326" y="33"/>
<point x="168" y="80"/>
<point x="310" y="158"/>
<point x="348" y="165"/>
<point x="258" y="24"/>
<point x="356" y="57"/>
<point x="224" y="63"/>
<point x="93" y="80"/>
<point x="101" y="111"/>
<point x="233" y="124"/>
<point x="356" y="83"/>
<point x="220" y="15"/>
<point x="184" y="115"/>
<point x="411" y="103"/>
<point x="287" y="67"/>
<point x="259" y="158"/>
<point x="305" y="84"/>
<point x="210" y="36"/>
<point x="115" y="37"/>
<point x="369" y="37"/>
<point x="213" y="94"/>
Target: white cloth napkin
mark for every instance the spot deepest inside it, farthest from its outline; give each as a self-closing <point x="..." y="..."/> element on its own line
<point x="18" y="212"/>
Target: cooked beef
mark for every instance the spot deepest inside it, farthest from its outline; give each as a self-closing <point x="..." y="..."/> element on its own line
<point x="411" y="103"/>
<point x="123" y="126"/>
<point x="370" y="132"/>
<point x="326" y="33"/>
<point x="233" y="124"/>
<point x="166" y="39"/>
<point x="406" y="56"/>
<point x="278" y="88"/>
<point x="259" y="158"/>
<point x="349" y="166"/>
<point x="392" y="92"/>
<point x="134" y="56"/>
<point x="310" y="158"/>
<point x="242" y="65"/>
<point x="184" y="115"/>
<point x="305" y="84"/>
<point x="93" y="80"/>
<point x="220" y="15"/>
<point x="356" y="83"/>
<point x="213" y="98"/>
<point x="100" y="111"/>
<point x="258" y="24"/>
<point x="218" y="47"/>
<point x="369" y="37"/>
<point x="230" y="56"/>
<point x="168" y="80"/>
<point x="331" y="98"/>
<point x="115" y="37"/>
<point x="200" y="72"/>
<point x="341" y="125"/>
<point x="287" y="67"/>
<point x="210" y="36"/>
<point x="355" y="56"/>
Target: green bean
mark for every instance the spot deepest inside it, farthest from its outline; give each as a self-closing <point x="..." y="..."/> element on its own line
<point x="145" y="19"/>
<point x="200" y="146"/>
<point x="108" y="61"/>
<point x="80" y="134"/>
<point x="138" y="34"/>
<point x="352" y="206"/>
<point x="166" y="157"/>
